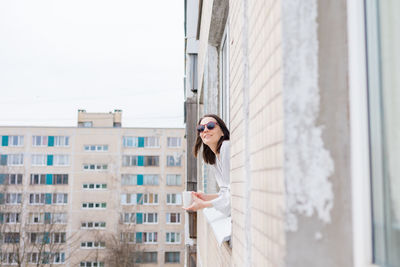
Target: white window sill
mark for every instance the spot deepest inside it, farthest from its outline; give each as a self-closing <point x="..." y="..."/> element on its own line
<point x="220" y="224"/>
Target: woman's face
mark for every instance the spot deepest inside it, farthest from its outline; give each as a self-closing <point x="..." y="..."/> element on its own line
<point x="210" y="137"/>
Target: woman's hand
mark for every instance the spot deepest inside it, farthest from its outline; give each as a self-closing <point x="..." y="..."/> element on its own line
<point x="198" y="203"/>
<point x="200" y="195"/>
<point x="205" y="197"/>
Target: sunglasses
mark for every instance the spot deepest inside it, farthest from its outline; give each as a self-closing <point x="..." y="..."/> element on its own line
<point x="210" y="125"/>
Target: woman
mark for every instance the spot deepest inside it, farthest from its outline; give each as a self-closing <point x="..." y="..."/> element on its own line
<point x="213" y="135"/>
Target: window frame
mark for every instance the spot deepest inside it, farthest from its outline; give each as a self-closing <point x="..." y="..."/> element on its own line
<point x="359" y="134"/>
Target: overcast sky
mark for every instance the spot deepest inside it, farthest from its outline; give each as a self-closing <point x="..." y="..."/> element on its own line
<point x="58" y="56"/>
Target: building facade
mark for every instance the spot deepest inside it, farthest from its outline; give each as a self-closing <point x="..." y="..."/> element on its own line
<point x="309" y="91"/>
<point x="93" y="195"/>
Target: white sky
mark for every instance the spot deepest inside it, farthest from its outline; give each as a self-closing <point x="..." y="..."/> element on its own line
<point x="58" y="56"/>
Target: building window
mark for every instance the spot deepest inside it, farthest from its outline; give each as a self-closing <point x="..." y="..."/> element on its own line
<point x="383" y="58"/>
<point x="10" y="258"/>
<point x="173" y="238"/>
<point x="58" y="217"/>
<point x="11" y="178"/>
<point x="151" y="160"/>
<point x="129" y="217"/>
<point x="93" y="244"/>
<point x="173" y="161"/>
<point x="58" y="238"/>
<point x="93" y="225"/>
<point x="91" y="264"/>
<point x="94" y="186"/>
<point x="174" y="142"/>
<point x="192" y="79"/>
<point x="139" y="179"/>
<point x="150" y="218"/>
<point x="10" y="198"/>
<point x="38" y="179"/>
<point x="150" y="179"/>
<point x="39" y="160"/>
<point x="61" y="160"/>
<point x="174" y="179"/>
<point x="12" y="159"/>
<point x="47" y="217"/>
<point x="95" y="167"/>
<point x="58" y="257"/>
<point x="140" y="160"/>
<point x="39" y="140"/>
<point x="36" y="218"/>
<point x="85" y="124"/>
<point x="150" y="199"/>
<point x="61" y="141"/>
<point x="129" y="238"/>
<point x="150" y="237"/>
<point x="148" y="142"/>
<point x="95" y="148"/>
<point x="11" y="238"/>
<point x="38" y="198"/>
<point x="129" y="179"/>
<point x="94" y="205"/>
<point x="10" y="217"/>
<point x="173" y="217"/>
<point x="38" y="238"/>
<point x="172" y="257"/>
<point x="16" y="140"/>
<point x="174" y="199"/>
<point x="146" y="257"/>
<point x="60" y="179"/>
<point x="151" y="141"/>
<point x="60" y="198"/>
<point x="130" y="141"/>
<point x="129" y="199"/>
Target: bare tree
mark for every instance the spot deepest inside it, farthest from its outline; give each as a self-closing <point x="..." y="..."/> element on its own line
<point x="30" y="236"/>
<point x="123" y="250"/>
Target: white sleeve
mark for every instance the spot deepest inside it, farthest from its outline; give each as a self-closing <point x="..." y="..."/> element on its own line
<point x="223" y="202"/>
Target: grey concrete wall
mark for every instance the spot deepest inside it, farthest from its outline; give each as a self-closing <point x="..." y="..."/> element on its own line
<point x="316" y="241"/>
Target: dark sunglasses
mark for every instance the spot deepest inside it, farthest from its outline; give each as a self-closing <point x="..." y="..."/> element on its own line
<point x="210" y="125"/>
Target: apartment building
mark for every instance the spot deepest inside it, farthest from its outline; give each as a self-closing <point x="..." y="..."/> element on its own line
<point x="309" y="90"/>
<point x="93" y="195"/>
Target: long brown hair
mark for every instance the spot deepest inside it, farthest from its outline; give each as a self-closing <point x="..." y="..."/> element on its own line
<point x="208" y="154"/>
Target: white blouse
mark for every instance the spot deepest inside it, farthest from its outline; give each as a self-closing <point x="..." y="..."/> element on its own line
<point x="222" y="170"/>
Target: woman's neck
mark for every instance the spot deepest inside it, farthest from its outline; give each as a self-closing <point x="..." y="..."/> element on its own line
<point x="214" y="149"/>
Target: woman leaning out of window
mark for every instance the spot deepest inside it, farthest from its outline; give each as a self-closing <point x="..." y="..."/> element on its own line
<point x="213" y="135"/>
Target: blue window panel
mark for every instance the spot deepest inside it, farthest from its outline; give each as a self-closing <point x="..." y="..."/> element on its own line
<point x="48" y="198"/>
<point x="46" y="237"/>
<point x="50" y="141"/>
<point x="3" y="160"/>
<point x="49" y="178"/>
<point x="141" y="141"/>
<point x="140" y="179"/>
<point x="1" y="198"/>
<point x="139" y="237"/>
<point x="139" y="199"/>
<point x="2" y="178"/>
<point x="49" y="160"/>
<point x="1" y="217"/>
<point x="140" y="160"/>
<point x="47" y="217"/>
<point x="62" y="257"/>
<point x="139" y="218"/>
<point x="4" y="140"/>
